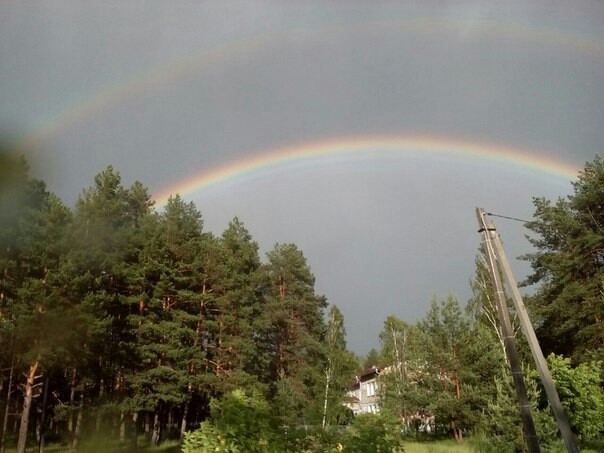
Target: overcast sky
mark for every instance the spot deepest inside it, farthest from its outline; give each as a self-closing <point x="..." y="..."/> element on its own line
<point x="166" y="90"/>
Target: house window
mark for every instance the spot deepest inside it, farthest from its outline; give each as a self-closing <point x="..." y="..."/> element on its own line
<point x="370" y="388"/>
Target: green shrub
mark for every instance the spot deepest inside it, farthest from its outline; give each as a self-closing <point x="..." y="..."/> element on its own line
<point x="238" y="423"/>
<point x="581" y="395"/>
<point x="373" y="433"/>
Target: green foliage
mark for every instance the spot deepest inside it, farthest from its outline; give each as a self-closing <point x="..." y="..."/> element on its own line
<point x="286" y="401"/>
<point x="244" y="423"/>
<point x="399" y="385"/>
<point x="445" y="332"/>
<point x="500" y="421"/>
<point x="371" y="433"/>
<point x="340" y="365"/>
<point x="372" y="358"/>
<point x="131" y="312"/>
<point x="581" y="393"/>
<point x="569" y="238"/>
<point x="441" y="371"/>
<point x="482" y="306"/>
<point x="238" y="423"/>
<point x="290" y="329"/>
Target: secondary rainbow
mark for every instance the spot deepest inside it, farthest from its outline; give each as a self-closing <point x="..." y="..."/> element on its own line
<point x="366" y="146"/>
<point x="165" y="74"/>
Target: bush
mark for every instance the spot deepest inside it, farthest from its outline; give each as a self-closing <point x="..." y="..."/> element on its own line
<point x="373" y="433"/>
<point x="238" y="423"/>
<point x="581" y="395"/>
<point x="241" y="422"/>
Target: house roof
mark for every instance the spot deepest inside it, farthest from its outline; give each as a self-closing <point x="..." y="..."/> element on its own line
<point x="365" y="375"/>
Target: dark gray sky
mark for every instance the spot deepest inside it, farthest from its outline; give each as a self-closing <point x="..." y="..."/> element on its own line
<point x="166" y="90"/>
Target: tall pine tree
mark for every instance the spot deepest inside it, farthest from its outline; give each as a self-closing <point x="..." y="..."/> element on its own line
<point x="291" y="328"/>
<point x="569" y="267"/>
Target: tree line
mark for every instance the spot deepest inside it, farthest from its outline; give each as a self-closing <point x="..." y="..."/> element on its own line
<point x="450" y="367"/>
<point x="121" y="319"/>
<point x="117" y="317"/>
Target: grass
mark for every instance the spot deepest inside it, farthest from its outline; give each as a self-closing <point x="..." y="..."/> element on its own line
<point x="97" y="445"/>
<point x="439" y="446"/>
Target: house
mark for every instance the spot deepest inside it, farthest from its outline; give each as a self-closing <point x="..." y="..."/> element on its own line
<point x="363" y="392"/>
<point x="364" y="398"/>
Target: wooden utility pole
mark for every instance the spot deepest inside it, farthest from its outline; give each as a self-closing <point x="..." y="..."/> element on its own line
<point x="528" y="425"/>
<point x="527" y="328"/>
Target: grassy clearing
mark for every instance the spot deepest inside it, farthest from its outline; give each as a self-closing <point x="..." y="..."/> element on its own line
<point x="440" y="446"/>
<point x="99" y="445"/>
<point x="103" y="446"/>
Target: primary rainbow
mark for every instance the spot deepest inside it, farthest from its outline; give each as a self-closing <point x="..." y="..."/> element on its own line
<point x="366" y="146"/>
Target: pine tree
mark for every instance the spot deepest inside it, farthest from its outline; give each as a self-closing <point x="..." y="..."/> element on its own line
<point x="34" y="311"/>
<point x="445" y="328"/>
<point x="106" y="239"/>
<point x="291" y="326"/>
<point x="168" y="352"/>
<point x="237" y="305"/>
<point x="372" y="358"/>
<point x="568" y="265"/>
<point x="340" y="365"/>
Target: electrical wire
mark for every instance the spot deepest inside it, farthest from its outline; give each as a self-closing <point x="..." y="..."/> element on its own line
<point x="507" y="217"/>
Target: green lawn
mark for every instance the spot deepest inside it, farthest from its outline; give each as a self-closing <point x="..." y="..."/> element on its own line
<point x="98" y="446"/>
<point x="441" y="446"/>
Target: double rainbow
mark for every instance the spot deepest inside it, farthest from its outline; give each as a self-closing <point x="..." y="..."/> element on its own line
<point x="168" y="73"/>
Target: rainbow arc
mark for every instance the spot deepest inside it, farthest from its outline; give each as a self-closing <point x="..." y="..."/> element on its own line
<point x="364" y="147"/>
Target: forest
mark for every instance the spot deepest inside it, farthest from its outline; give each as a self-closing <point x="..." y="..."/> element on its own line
<point x="124" y="327"/>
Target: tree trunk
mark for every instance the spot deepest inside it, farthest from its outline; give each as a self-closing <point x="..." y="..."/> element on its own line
<point x="27" y="399"/>
<point x="183" y="423"/>
<point x="98" y="412"/>
<point x="134" y="432"/>
<point x="458" y="434"/>
<point x="147" y="424"/>
<point x="16" y="419"/>
<point x="156" y="437"/>
<point x="6" y="409"/>
<point x="327" y="381"/>
<point x="72" y="401"/>
<point x="170" y="417"/>
<point x="122" y="427"/>
<point x="78" y="425"/>
<point x="41" y="440"/>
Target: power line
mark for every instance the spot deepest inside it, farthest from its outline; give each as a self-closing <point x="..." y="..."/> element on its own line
<point x="509" y="218"/>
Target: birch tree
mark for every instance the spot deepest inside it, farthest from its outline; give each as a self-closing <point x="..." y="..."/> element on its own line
<point x="402" y="367"/>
